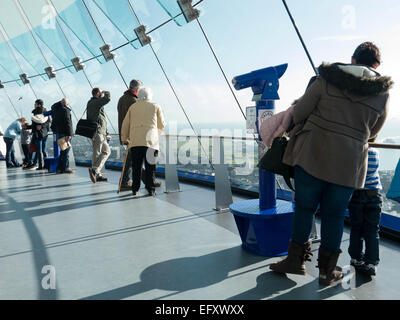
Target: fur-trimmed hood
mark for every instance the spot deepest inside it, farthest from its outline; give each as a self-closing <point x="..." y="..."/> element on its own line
<point x="356" y="79"/>
<point x="39" y="119"/>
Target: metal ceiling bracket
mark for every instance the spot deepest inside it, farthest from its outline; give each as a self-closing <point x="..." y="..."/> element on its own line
<point x="188" y="11"/>
<point x="105" y="50"/>
<point x="144" y="39"/>
<point x="50" y="72"/>
<point x="24" y="78"/>
<point x="78" y="65"/>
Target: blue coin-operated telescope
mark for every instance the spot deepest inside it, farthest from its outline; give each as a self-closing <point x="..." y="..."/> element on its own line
<point x="263" y="82"/>
<point x="264" y="224"/>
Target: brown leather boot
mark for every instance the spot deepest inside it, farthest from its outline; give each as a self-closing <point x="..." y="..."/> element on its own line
<point x="294" y="262"/>
<point x="329" y="272"/>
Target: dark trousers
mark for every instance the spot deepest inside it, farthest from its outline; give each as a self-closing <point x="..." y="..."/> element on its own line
<point x="63" y="160"/>
<point x="365" y="209"/>
<point x="27" y="154"/>
<point x="140" y="155"/>
<point x="10" y="152"/>
<point x="128" y="168"/>
<point x="332" y="199"/>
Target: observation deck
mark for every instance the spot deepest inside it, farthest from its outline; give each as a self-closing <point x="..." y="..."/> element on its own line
<point x="105" y="245"/>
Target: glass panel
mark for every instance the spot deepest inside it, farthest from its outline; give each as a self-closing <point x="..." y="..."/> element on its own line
<point x="45" y="27"/>
<point x="8" y="68"/>
<point x="389" y="172"/>
<point x="20" y="37"/>
<point x="76" y="17"/>
<point x="120" y="14"/>
<point x="173" y="9"/>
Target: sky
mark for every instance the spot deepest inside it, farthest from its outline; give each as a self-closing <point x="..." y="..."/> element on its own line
<point x="245" y="35"/>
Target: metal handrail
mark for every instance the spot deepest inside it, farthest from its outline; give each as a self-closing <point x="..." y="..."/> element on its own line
<point x="372" y="144"/>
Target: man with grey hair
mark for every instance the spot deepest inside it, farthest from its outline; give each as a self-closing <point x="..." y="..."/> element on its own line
<point x="125" y="102"/>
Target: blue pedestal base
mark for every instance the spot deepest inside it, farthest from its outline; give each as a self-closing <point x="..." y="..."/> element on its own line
<point x="51" y="164"/>
<point x="264" y="232"/>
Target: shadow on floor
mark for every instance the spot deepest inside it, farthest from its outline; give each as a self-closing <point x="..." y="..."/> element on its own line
<point x="184" y="274"/>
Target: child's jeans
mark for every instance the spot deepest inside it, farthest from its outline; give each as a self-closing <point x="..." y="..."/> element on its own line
<point x="365" y="209"/>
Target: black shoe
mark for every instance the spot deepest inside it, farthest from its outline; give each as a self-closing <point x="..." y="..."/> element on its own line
<point x="368" y="269"/>
<point x="10" y="166"/>
<point x="152" y="193"/>
<point x="31" y="166"/>
<point x="92" y="175"/>
<point x="101" y="179"/>
<point x="17" y="165"/>
<point x="134" y="193"/>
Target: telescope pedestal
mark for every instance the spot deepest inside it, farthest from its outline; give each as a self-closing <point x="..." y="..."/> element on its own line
<point x="264" y="232"/>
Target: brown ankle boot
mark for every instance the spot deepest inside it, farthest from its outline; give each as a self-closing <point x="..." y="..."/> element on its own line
<point x="329" y="273"/>
<point x="294" y="262"/>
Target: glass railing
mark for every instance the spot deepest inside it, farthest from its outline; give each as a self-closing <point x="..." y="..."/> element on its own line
<point x="195" y="156"/>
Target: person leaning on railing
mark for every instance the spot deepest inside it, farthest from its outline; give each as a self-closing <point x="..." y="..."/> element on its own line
<point x="344" y="107"/>
<point x="141" y="129"/>
<point x="11" y="133"/>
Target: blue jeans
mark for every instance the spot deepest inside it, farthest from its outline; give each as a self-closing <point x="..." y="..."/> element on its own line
<point x="332" y="200"/>
<point x="63" y="160"/>
<point x="44" y="146"/>
<point x="39" y="147"/>
<point x="365" y="214"/>
<point x="10" y="152"/>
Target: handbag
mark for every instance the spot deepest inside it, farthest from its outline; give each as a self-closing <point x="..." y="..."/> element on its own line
<point x="86" y="128"/>
<point x="272" y="160"/>
<point x="33" y="148"/>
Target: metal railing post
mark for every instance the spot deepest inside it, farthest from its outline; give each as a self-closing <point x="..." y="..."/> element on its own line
<point x="223" y="192"/>
<point x="171" y="172"/>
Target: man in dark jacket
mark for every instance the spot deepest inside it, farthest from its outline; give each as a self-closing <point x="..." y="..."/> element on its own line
<point x="101" y="149"/>
<point x="62" y="125"/>
<point x="124" y="103"/>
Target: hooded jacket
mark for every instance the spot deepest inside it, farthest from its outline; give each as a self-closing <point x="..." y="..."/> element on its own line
<point x="340" y="111"/>
<point x="40" y="126"/>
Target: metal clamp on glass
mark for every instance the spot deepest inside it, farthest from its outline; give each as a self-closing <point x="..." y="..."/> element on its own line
<point x="50" y="72"/>
<point x="105" y="50"/>
<point x="24" y="78"/>
<point x="188" y="11"/>
<point x="77" y="64"/>
<point x="142" y="36"/>
<point x="1" y="85"/>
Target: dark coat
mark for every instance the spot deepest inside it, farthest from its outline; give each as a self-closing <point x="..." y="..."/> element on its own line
<point x="334" y="119"/>
<point x="95" y="112"/>
<point x="124" y="103"/>
<point x="62" y="121"/>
